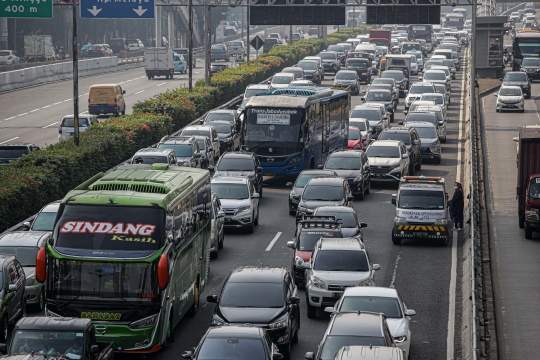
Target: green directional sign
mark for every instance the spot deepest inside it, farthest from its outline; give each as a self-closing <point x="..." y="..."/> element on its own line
<point x="26" y="9"/>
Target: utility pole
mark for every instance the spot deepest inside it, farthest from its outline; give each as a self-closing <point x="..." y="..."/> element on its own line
<point x="290" y="34"/>
<point x="207" y="43"/>
<point x="190" y="46"/>
<point x="75" y="76"/>
<point x="247" y="31"/>
<point x="473" y="64"/>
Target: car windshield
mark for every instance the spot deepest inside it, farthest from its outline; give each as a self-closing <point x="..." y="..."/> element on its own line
<point x="369" y="114"/>
<point x="236" y="43"/>
<point x="327" y="56"/>
<point x="333" y="343"/>
<point x="388" y="81"/>
<point x="336" y="48"/>
<point x="149" y="159"/>
<point x="378" y="96"/>
<point x="337" y="162"/>
<point x="348" y="219"/>
<point x="397" y="76"/>
<point x="354" y="134"/>
<point x="220" y="116"/>
<point x="510" y="92"/>
<point x="251" y="92"/>
<point x="236" y="164"/>
<point x="425" y="132"/>
<point x="13" y="152"/>
<point x="323" y="193"/>
<point x="383" y="151"/>
<point x="180" y="150"/>
<point x="440" y="88"/>
<point x="358" y="124"/>
<point x="448" y="63"/>
<point x="530" y="62"/>
<point x="389" y="135"/>
<point x="231" y="191"/>
<point x="345" y="76"/>
<point x="516" y="77"/>
<point x="222" y="128"/>
<point x="341" y="260"/>
<point x="439" y="75"/>
<point x="439" y="100"/>
<point x="282" y="79"/>
<point x="420" y="89"/>
<point x="412" y="117"/>
<point x="389" y="306"/>
<point x="202" y="145"/>
<point x="51" y="343"/>
<point x="217" y="348"/>
<point x="5" y="53"/>
<point x="357" y="64"/>
<point x="252" y="295"/>
<point x="308" y="65"/>
<point x="69" y="122"/>
<point x="421" y="199"/>
<point x="44" y="221"/>
<point x="25" y="254"/>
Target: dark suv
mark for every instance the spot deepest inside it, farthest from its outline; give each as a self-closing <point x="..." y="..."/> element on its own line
<point x="185" y="148"/>
<point x="266" y="297"/>
<point x="410" y="138"/>
<point x="326" y="191"/>
<point x="12" y="296"/>
<point x="14" y="151"/>
<point x="518" y="78"/>
<point x="241" y="164"/>
<point x="352" y="165"/>
<point x="300" y="183"/>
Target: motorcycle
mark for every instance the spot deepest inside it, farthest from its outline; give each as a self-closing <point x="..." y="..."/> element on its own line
<point x="507" y="59"/>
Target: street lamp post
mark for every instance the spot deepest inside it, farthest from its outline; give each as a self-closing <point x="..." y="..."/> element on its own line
<point x="473" y="62"/>
<point x="190" y="46"/>
<point x="75" y="77"/>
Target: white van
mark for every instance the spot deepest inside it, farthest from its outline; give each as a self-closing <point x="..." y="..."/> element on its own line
<point x="369" y="48"/>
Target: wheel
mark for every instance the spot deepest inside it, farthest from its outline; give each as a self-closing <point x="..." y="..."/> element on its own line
<point x="521" y="220"/>
<point x="170" y="332"/>
<point x="368" y="189"/>
<point x="256" y="221"/>
<point x="124" y="110"/>
<point x="251" y="228"/>
<point x="311" y="310"/>
<point x="23" y="308"/>
<point x="5" y="329"/>
<point x="528" y="233"/>
<point x="395" y="240"/>
<point x="220" y="243"/>
<point x="438" y="160"/>
<point x="362" y="195"/>
<point x="292" y="213"/>
<point x="215" y="254"/>
<point x="149" y="77"/>
<point x="194" y="309"/>
<point x="496" y="110"/>
<point x="41" y="304"/>
<point x="295" y="336"/>
<point x="443" y="140"/>
<point x="261" y="191"/>
<point x="392" y="118"/>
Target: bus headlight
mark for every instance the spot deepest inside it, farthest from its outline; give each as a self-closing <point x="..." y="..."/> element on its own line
<point x="294" y="160"/>
<point x="146" y="322"/>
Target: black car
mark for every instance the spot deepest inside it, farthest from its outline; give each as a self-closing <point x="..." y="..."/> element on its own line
<point x="350" y="223"/>
<point x="14" y="151"/>
<point x="326" y="191"/>
<point x="518" y="78"/>
<point x="185" y="148"/>
<point x="348" y="78"/>
<point x="362" y="68"/>
<point x="353" y="328"/>
<point x="223" y="115"/>
<point x="235" y="343"/>
<point x="300" y="183"/>
<point x="266" y="297"/>
<point x="12" y="296"/>
<point x="401" y="81"/>
<point x="330" y="61"/>
<point x="241" y="164"/>
<point x="426" y="116"/>
<point x="340" y="50"/>
<point x="311" y="70"/>
<point x="389" y="87"/>
<point x="207" y="152"/>
<point x="531" y="66"/>
<point x="229" y="137"/>
<point x="410" y="138"/>
<point x="352" y="165"/>
<point x="381" y="96"/>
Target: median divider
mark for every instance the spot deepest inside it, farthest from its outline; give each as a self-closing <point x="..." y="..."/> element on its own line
<point x="48" y="174"/>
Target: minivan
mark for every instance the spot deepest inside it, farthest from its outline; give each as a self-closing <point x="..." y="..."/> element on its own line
<point x="67" y="129"/>
<point x="106" y="99"/>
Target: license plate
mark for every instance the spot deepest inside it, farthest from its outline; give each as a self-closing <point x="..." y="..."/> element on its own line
<point x="511" y="106"/>
<point x="420" y="234"/>
<point x="337" y="294"/>
<point x="269" y="174"/>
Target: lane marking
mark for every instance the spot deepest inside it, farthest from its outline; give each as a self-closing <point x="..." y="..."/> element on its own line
<point x="3" y="142"/>
<point x="44" y="107"/>
<point x="273" y="241"/>
<point x="161" y="84"/>
<point x="394" y="274"/>
<point x="57" y="103"/>
<point x="453" y="271"/>
<point x="22" y="114"/>
<point x="54" y="123"/>
<point x="34" y="110"/>
<point x="13" y="117"/>
<point x="138" y="92"/>
<point x="68" y="100"/>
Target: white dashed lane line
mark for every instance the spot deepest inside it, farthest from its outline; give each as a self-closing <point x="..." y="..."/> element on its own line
<point x="3" y="142"/>
<point x="44" y="107"/>
<point x="34" y="110"/>
<point x="23" y="114"/>
<point x="273" y="241"/>
<point x="57" y="103"/>
<point x="13" y="117"/>
<point x="161" y="84"/>
<point x="54" y="123"/>
<point x="138" y="92"/>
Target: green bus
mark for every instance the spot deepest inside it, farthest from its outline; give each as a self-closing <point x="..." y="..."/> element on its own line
<point x="130" y="251"/>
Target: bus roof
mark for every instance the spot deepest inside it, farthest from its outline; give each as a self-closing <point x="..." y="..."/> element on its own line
<point x="528" y="34"/>
<point x="138" y="185"/>
<point x="293" y="97"/>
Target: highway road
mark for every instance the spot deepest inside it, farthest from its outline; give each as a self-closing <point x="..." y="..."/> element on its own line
<point x="515" y="260"/>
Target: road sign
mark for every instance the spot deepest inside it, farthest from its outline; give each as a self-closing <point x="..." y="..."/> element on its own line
<point x="27" y="9"/>
<point x="117" y="9"/>
<point x="257" y="42"/>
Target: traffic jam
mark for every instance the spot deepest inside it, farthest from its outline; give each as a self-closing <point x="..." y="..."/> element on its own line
<point x="365" y="119"/>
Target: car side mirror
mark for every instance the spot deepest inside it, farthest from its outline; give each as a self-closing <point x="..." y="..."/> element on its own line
<point x="187" y="354"/>
<point x="401" y="122"/>
<point x="385" y="117"/>
<point x="516" y="139"/>
<point x="394" y="199"/>
<point x="3" y="348"/>
<point x="291" y="244"/>
<point x="410" y="312"/>
<point x="363" y="225"/>
<point x="294" y="300"/>
<point x="441" y="123"/>
<point x="94" y="349"/>
<point x="405" y="112"/>
<point x="12" y="288"/>
<point x="495" y="94"/>
<point x="277" y="356"/>
<point x="363" y="98"/>
<point x="416" y="142"/>
<point x="220" y="214"/>
<point x="350" y="198"/>
<point x="211" y="168"/>
<point x="260" y="168"/>
<point x="289" y="184"/>
<point x="212" y="299"/>
<point x="329" y="309"/>
<point x="309" y="356"/>
<point x="320" y="166"/>
<point x="256" y="196"/>
<point x="376" y="267"/>
<point x="123" y="92"/>
<point x="27" y="224"/>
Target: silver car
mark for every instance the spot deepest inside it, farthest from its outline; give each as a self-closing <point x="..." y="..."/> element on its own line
<point x="388" y="160"/>
<point x="67" y="129"/>
<point x="510" y="98"/>
<point x="44" y="221"/>
<point x="204" y="130"/>
<point x="218" y="220"/>
<point x="239" y="200"/>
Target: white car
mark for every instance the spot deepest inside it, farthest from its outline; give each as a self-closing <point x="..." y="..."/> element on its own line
<point x="336" y="264"/>
<point x="438" y="98"/>
<point x="134" y="45"/>
<point x="282" y="80"/>
<point x="510" y="98"/>
<point x="416" y="90"/>
<point x="66" y="130"/>
<point x="380" y="300"/>
<point x="8" y="57"/>
<point x="414" y="65"/>
<point x="388" y="160"/>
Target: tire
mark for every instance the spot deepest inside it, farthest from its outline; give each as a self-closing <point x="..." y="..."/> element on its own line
<point x="149" y="77"/>
<point x="292" y="213"/>
<point x="215" y="254"/>
<point x="496" y="110"/>
<point x="124" y="110"/>
<point x="437" y="160"/>
<point x="41" y="304"/>
<point x="170" y="333"/>
<point x="194" y="309"/>
<point x="295" y="336"/>
<point x="5" y="329"/>
<point x="522" y="111"/>
<point x="362" y="195"/>
<point x="368" y="189"/>
<point x="392" y="118"/>
<point x="251" y="228"/>
<point x="443" y="140"/>
<point x="220" y="243"/>
<point x="395" y="240"/>
<point x="528" y="233"/>
<point x="311" y="310"/>
<point x="23" y="309"/>
<point x="521" y="220"/>
<point x="256" y="221"/>
<point x="261" y="191"/>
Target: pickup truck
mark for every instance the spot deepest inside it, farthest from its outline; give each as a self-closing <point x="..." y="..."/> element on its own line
<point x="55" y="338"/>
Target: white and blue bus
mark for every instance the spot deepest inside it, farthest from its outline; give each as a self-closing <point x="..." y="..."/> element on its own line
<point x="295" y="129"/>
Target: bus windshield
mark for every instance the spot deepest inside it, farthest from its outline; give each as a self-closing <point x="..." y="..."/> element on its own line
<point x="276" y="127"/>
<point x="410" y="47"/>
<point x="420" y="32"/>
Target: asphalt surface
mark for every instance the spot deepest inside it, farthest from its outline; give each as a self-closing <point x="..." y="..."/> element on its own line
<point x="419" y="270"/>
<point x="515" y="260"/>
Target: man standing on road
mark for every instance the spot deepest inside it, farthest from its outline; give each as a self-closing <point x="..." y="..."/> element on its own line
<point x="456" y="206"/>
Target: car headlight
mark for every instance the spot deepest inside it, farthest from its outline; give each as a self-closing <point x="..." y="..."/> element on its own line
<point x="243" y="208"/>
<point x="146" y="322"/>
<point x="400" y="220"/>
<point x="531" y="215"/>
<point x="400" y="339"/>
<point x="366" y="282"/>
<point x="441" y="221"/>
<point x="395" y="166"/>
<point x="520" y="100"/>
<point x="218" y="321"/>
<point x="31" y="281"/>
<point x="318" y="283"/>
<point x="435" y="147"/>
<point x="358" y="178"/>
<point x="279" y="324"/>
<point x="499" y="100"/>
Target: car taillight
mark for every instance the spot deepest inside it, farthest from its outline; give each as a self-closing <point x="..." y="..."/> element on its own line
<point x="60" y="130"/>
<point x="163" y="272"/>
<point x="41" y="265"/>
<point x="10" y="57"/>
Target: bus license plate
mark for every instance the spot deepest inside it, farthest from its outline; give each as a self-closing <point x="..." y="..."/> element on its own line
<point x="269" y="174"/>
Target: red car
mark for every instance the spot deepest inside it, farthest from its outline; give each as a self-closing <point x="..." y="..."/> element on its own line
<point x="355" y="138"/>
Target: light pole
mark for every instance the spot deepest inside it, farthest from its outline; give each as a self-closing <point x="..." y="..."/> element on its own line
<point x="190" y="46"/>
<point x="208" y="43"/>
<point x="473" y="62"/>
<point x="75" y="77"/>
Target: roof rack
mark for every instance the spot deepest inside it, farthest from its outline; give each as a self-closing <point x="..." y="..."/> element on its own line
<point x="311" y="221"/>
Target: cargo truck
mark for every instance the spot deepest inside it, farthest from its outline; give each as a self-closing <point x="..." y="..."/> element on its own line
<point x="380" y="37"/>
<point x="158" y="61"/>
<point x="38" y="48"/>
<point x="399" y="62"/>
<point x="528" y="179"/>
